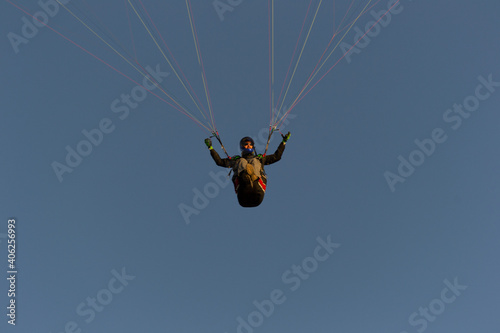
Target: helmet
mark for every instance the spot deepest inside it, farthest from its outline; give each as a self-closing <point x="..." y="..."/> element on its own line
<point x="242" y="145"/>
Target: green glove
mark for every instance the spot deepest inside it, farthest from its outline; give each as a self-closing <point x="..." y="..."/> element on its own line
<point x="208" y="142"/>
<point x="286" y="137"/>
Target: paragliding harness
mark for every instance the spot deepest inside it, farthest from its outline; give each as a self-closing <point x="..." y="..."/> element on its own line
<point x="262" y="181"/>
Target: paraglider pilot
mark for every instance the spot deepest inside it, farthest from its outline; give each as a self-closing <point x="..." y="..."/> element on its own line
<point x="249" y="177"/>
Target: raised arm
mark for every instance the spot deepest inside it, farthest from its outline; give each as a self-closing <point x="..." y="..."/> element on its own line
<point x="222" y="162"/>
<point x="270" y="159"/>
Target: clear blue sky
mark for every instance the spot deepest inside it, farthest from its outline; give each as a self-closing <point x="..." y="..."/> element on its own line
<point x="413" y="248"/>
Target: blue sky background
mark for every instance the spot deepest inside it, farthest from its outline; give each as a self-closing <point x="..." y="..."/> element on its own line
<point x="119" y="209"/>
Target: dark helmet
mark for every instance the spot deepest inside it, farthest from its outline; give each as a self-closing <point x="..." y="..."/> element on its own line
<point x="242" y="145"/>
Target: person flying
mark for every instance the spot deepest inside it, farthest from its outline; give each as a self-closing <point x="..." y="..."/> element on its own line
<point x="249" y="177"/>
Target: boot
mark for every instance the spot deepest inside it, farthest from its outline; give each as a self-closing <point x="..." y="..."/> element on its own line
<point x="251" y="172"/>
<point x="246" y="180"/>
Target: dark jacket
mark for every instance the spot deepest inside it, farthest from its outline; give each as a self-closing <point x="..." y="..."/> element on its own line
<point x="264" y="160"/>
<point x="249" y="196"/>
